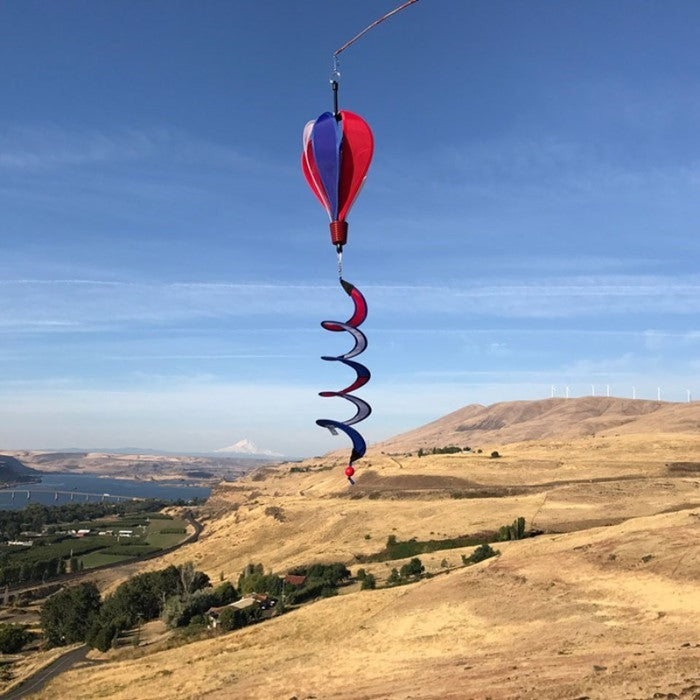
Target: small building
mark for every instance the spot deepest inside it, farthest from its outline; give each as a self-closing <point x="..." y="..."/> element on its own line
<point x="265" y="601"/>
<point x="213" y="616"/>
<point x="295" y="580"/>
<point x="242" y="604"/>
<point x="125" y="533"/>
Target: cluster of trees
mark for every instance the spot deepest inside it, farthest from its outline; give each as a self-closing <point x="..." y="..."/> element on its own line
<point x="411" y="571"/>
<point x="402" y="549"/>
<point x="516" y="531"/>
<point x="28" y="571"/>
<point x="367" y="581"/>
<point x="483" y="551"/>
<point x="36" y="517"/>
<point x="67" y="616"/>
<point x="180" y="596"/>
<point x="321" y="580"/>
<point x="253" y="579"/>
<point x="449" y="450"/>
<point x="184" y="609"/>
<point x="54" y="555"/>
<point x="78" y="614"/>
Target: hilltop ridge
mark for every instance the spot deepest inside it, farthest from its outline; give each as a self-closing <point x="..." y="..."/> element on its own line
<point x="556" y="418"/>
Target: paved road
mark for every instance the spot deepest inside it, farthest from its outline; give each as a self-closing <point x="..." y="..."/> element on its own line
<point x="36" y="682"/>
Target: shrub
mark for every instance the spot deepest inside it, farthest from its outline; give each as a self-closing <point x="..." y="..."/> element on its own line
<point x="394" y="577"/>
<point x="275" y="512"/>
<point x="13" y="638"/>
<point x="495" y="455"/>
<point x="483" y="551"/>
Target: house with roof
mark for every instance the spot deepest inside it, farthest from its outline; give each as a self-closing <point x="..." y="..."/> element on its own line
<point x="295" y="580"/>
<point x="242" y="604"/>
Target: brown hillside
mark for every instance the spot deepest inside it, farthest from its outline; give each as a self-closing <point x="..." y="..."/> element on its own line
<point x="603" y="604"/>
<point x="520" y="421"/>
<point x="609" y="613"/>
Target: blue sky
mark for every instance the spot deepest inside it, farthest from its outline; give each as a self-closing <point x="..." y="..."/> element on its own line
<point x="530" y="218"/>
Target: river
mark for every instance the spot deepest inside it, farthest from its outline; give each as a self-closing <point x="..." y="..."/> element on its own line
<point x="56" y="489"/>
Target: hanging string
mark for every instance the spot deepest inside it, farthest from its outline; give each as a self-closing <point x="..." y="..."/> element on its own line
<point x="366" y="29"/>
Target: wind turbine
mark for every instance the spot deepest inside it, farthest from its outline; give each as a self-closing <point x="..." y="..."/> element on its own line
<point x="592" y="389"/>
<point x="658" y="393"/>
<point x="634" y="392"/>
<point x="690" y="398"/>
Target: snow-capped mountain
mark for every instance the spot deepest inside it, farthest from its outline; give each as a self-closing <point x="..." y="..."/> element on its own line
<point x="246" y="447"/>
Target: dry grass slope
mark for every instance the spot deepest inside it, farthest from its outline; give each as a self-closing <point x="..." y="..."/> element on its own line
<point x="605" y="604"/>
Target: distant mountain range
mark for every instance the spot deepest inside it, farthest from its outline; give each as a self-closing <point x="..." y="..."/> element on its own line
<point x="247" y="450"/>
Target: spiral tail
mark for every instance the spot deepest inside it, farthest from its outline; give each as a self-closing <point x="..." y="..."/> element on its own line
<point x="359" y="314"/>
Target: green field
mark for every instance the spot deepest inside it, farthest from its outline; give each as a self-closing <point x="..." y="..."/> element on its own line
<point x="164" y="533"/>
<point x="161" y="532"/>
<point x="94" y="559"/>
<point x="55" y="551"/>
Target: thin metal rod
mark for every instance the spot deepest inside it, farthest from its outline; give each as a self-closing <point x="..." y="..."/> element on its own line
<point x="373" y="25"/>
<point x="334" y="85"/>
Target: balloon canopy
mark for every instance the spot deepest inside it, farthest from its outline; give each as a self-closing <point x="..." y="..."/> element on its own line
<point x="336" y="157"/>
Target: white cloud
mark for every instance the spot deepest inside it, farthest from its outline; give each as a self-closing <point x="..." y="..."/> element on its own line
<point x="48" y="147"/>
<point x="58" y="304"/>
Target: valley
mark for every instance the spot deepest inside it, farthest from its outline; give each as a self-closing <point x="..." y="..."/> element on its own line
<point x="603" y="603"/>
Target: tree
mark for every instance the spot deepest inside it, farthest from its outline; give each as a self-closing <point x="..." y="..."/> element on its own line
<point x="104" y="638"/>
<point x="13" y="638"/>
<point x="414" y="568"/>
<point x="226" y="593"/>
<point x="369" y="582"/>
<point x="233" y="618"/>
<point x="516" y="531"/>
<point x="191" y="580"/>
<point x="173" y="611"/>
<point x="67" y="616"/>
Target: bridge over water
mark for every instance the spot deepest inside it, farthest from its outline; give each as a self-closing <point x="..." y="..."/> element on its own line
<point x="26" y="494"/>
